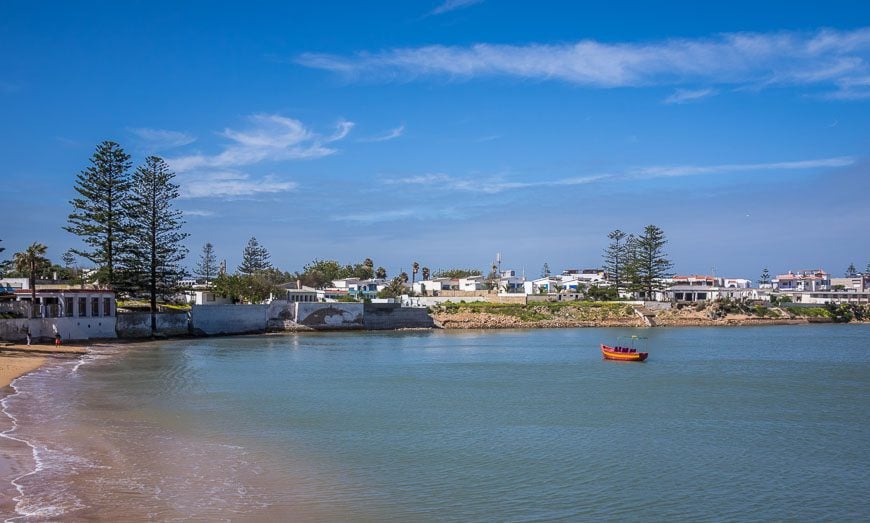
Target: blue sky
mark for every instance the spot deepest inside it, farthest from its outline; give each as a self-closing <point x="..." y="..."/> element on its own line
<point x="445" y="132"/>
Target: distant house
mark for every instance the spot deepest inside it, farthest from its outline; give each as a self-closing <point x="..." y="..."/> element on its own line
<point x="472" y="283"/>
<point x="188" y="282"/>
<point x="510" y="281"/>
<point x="296" y="292"/>
<point x="205" y="297"/>
<point x="814" y="280"/>
<point x="366" y="289"/>
<point x="70" y="303"/>
<point x="436" y="285"/>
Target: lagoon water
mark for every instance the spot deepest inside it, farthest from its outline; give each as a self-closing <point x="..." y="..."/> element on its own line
<point x="766" y="423"/>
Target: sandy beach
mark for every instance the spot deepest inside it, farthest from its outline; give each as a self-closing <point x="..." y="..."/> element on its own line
<point x="15" y="457"/>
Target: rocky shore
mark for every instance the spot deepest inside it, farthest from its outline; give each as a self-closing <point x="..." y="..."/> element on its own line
<point x="592" y="314"/>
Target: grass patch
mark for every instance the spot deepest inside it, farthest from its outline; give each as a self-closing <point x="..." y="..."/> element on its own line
<point x="540" y="311"/>
<point x="809" y="312"/>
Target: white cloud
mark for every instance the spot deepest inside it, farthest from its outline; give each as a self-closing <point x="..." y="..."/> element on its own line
<point x="160" y="139"/>
<point x="269" y="138"/>
<point x="198" y="212"/>
<point x="681" y="96"/>
<point x="389" y="135"/>
<point x="416" y="213"/>
<point x="231" y="184"/>
<point x="822" y="58"/>
<point x="452" y="5"/>
<point x="490" y="185"/>
<point x="694" y="170"/>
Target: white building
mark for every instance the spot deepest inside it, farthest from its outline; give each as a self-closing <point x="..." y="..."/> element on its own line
<point x="472" y="283"/>
<point x="204" y="297"/>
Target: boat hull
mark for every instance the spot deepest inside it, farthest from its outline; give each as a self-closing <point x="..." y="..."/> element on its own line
<point x="610" y="353"/>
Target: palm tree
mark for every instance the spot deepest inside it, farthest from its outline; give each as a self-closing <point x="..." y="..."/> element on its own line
<point x="404" y="277"/>
<point x="426" y="273"/>
<point x="381" y="273"/>
<point x="414" y="268"/>
<point x="29" y="262"/>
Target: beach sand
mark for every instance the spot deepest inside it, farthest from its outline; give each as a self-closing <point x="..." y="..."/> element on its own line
<point x="16" y="457"/>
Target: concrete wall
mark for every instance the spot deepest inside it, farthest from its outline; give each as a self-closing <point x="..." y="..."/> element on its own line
<point x="384" y="316"/>
<point x="44" y="329"/>
<point x="138" y="324"/>
<point x="228" y="319"/>
<point x="330" y="315"/>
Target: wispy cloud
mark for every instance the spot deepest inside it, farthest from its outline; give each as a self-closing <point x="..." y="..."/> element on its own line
<point x="231" y="184"/>
<point x="828" y="58"/>
<point x="489" y="185"/>
<point x="161" y="139"/>
<point x="413" y="213"/>
<point x="694" y="170"/>
<point x="270" y="137"/>
<point x="389" y="135"/>
<point x="681" y="96"/>
<point x="453" y="5"/>
<point x="198" y="213"/>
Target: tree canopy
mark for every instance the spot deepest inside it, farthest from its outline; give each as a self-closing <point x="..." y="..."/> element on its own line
<point x="98" y="214"/>
<point x="255" y="258"/>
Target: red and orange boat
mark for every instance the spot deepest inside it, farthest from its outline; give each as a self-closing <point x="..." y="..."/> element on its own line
<point x="622" y="353"/>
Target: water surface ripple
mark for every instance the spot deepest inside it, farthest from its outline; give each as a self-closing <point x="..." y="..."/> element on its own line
<point x="739" y="424"/>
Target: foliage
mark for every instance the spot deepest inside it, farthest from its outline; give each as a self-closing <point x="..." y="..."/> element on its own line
<point x="776" y="299"/>
<point x="425" y="273"/>
<point x="810" y="312"/>
<point x="415" y="268"/>
<point x="545" y="270"/>
<point x="765" y="277"/>
<point x="851" y="271"/>
<point x="614" y="258"/>
<point x="650" y="265"/>
<point x="321" y="273"/>
<point x="843" y="313"/>
<point x="381" y="273"/>
<point x="30" y="261"/>
<point x="249" y="288"/>
<point x="596" y="293"/>
<point x="456" y="273"/>
<point x="207" y="266"/>
<point x="98" y="214"/>
<point x="255" y="258"/>
<point x="152" y="250"/>
<point x="542" y="311"/>
<point x="395" y="289"/>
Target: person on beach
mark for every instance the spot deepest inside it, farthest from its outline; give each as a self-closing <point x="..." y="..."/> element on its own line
<point x="57" y="340"/>
<point x="27" y="333"/>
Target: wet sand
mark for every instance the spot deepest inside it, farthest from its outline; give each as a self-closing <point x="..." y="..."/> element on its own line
<point x="16" y="458"/>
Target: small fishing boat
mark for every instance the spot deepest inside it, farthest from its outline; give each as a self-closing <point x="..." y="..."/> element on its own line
<point x="623" y="353"/>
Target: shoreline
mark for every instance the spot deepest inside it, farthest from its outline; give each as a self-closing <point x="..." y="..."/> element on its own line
<point x="16" y="457"/>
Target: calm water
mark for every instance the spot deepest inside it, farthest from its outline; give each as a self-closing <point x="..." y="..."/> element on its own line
<point x="767" y="423"/>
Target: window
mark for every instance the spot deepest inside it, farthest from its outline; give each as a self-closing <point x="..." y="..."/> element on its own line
<point x="68" y="304"/>
<point x="83" y="307"/>
<point x="95" y="307"/>
<point x="107" y="306"/>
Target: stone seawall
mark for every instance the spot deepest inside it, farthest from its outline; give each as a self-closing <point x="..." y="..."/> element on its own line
<point x="330" y="316"/>
<point x="228" y="319"/>
<point x="44" y="329"/>
<point x="138" y="324"/>
<point x="387" y="316"/>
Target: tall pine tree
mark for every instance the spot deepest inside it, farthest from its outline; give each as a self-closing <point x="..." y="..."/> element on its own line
<point x="614" y="258"/>
<point x="153" y="252"/>
<point x="207" y="267"/>
<point x="98" y="215"/>
<point x="650" y="263"/>
<point x="255" y="258"/>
